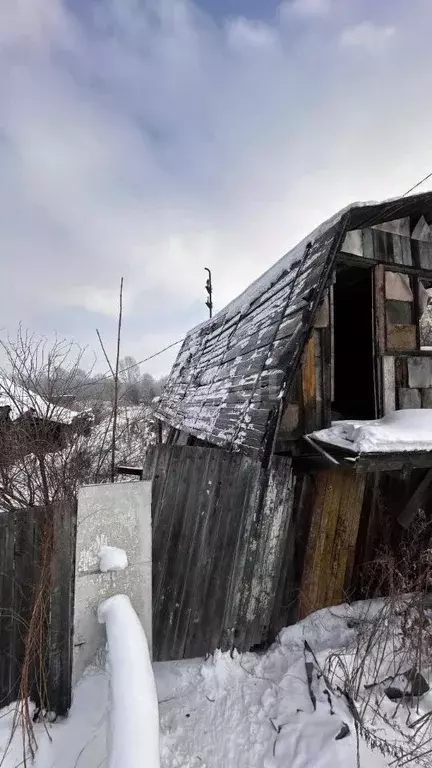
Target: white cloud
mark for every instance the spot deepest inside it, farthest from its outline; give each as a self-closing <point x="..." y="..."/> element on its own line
<point x="242" y="32"/>
<point x="150" y="142"/>
<point x="366" y="35"/>
<point x="307" y="8"/>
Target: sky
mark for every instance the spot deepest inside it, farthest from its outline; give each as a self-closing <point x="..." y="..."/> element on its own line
<point x="150" y="139"/>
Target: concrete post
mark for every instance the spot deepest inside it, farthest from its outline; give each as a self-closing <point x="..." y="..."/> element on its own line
<point x="117" y="515"/>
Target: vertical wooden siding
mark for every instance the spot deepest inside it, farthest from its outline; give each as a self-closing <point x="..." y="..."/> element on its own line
<point x="217" y="551"/>
<point x="20" y="553"/>
<point x="332" y="538"/>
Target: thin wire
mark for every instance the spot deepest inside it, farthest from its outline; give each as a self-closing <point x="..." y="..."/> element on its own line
<point x="107" y="375"/>
<point x="175" y="343"/>
<point x="375" y="219"/>
<point x="418" y="184"/>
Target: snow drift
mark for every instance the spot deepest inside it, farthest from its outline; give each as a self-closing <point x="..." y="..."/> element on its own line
<point x="407" y="430"/>
<point x="134" y="714"/>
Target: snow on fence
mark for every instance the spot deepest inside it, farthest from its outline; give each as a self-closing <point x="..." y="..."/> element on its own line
<point x="134" y="716"/>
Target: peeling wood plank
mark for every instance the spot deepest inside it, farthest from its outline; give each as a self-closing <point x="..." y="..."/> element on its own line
<point x="401" y="370"/>
<point x="379" y="290"/>
<point x="309" y="385"/>
<point x="290" y="419"/>
<point x="322" y="318"/>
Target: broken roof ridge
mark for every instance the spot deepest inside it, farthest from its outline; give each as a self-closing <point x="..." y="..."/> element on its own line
<point x="261" y="284"/>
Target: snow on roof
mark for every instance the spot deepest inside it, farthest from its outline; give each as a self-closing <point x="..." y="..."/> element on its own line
<point x="245" y="299"/>
<point x="401" y="431"/>
<point x="231" y="370"/>
<point x="21" y="400"/>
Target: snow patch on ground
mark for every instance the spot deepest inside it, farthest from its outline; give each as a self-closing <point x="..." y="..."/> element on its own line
<point x="407" y="430"/>
<point x="133" y="712"/>
<point x="112" y="559"/>
<point x="230" y="711"/>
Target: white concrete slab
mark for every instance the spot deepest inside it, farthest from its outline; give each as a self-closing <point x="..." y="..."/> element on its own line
<point x="117" y="515"/>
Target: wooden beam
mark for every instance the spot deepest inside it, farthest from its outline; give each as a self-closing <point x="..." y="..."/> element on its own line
<point x="135" y="471"/>
<point x="309" y="386"/>
<point x="389" y="384"/>
<point x="379" y="283"/>
<point x="321" y="451"/>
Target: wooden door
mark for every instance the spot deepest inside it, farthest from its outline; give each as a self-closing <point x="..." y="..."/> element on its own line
<point x="332" y="538"/>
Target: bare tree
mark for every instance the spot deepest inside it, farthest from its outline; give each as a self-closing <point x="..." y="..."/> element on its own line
<point x="46" y="451"/>
<point x="39" y="461"/>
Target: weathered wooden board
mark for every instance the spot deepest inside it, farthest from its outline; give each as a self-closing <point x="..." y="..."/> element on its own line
<point x="309" y="385"/>
<point x="332" y="538"/>
<point x="21" y="541"/>
<point x="219" y="538"/>
<point x="395" y="226"/>
<point x="422" y="254"/>
<point x="401" y="338"/>
<point x="379" y="315"/>
<point x="426" y="398"/>
<point x="353" y="243"/>
<point x="322" y="319"/>
<point x="399" y="312"/>
<point x="290" y="419"/>
<point x="420" y="372"/>
<point x="389" y="385"/>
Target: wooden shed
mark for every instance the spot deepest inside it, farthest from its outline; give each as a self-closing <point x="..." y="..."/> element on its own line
<point x="264" y="511"/>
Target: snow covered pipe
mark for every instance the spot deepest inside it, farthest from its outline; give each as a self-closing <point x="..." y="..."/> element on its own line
<point x="133" y="740"/>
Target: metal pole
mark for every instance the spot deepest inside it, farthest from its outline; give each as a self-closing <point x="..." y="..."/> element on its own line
<point x="209" y="289"/>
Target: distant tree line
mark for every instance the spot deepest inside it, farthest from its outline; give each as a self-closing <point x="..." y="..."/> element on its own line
<point x="135" y="388"/>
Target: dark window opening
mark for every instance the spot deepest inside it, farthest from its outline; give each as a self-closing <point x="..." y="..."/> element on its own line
<point x="354" y="391"/>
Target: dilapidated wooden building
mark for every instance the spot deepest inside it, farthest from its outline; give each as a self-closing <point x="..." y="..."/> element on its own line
<point x="263" y="511"/>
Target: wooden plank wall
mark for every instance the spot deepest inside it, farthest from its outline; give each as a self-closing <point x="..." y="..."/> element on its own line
<point x="407" y="381"/>
<point x="406" y="374"/>
<point x="308" y="406"/>
<point x="218" y="552"/>
<point x="20" y="553"/>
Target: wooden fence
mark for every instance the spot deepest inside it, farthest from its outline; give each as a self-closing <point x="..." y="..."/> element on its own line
<point x="22" y="537"/>
<point x="218" y="549"/>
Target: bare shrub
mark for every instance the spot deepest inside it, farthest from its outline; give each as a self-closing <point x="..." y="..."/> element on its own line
<point x="383" y="674"/>
<point x="46" y="452"/>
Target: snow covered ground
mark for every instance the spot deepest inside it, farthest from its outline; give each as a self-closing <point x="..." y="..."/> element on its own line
<point x="250" y="711"/>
